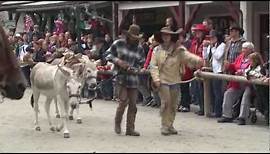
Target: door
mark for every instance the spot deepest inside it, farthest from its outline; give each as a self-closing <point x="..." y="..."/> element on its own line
<point x="264" y="32"/>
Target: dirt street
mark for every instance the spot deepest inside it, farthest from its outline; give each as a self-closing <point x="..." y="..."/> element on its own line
<point x="95" y="134"/>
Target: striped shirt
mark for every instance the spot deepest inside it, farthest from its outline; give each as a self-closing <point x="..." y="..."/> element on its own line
<point x="133" y="55"/>
<point x="234" y="49"/>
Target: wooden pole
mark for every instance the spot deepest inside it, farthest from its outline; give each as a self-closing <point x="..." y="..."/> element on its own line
<point x="192" y="17"/>
<point x="124" y="17"/>
<point x="227" y="77"/>
<point x="182" y="14"/>
<point x="233" y="11"/>
<point x="175" y="16"/>
<point x="206" y="97"/>
<point x="78" y="28"/>
<point x="115" y="19"/>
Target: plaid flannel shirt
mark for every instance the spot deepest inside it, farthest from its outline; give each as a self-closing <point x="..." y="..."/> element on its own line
<point x="133" y="55"/>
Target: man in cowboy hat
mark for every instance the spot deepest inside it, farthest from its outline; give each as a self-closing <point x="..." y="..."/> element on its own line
<point x="127" y="55"/>
<point x="234" y="45"/>
<point x="167" y="67"/>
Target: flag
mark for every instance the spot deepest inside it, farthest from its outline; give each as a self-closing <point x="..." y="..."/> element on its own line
<point x="28" y="23"/>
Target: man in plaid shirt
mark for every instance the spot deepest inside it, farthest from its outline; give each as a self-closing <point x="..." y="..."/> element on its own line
<point x="127" y="55"/>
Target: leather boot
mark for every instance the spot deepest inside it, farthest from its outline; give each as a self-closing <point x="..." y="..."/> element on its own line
<point x="132" y="133"/>
<point x="165" y="131"/>
<point x="118" y="120"/>
<point x="172" y="130"/>
<point x="117" y="128"/>
<point x="131" y="116"/>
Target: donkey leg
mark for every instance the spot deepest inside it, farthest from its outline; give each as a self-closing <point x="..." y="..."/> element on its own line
<point x="47" y="109"/>
<point x="79" y="119"/>
<point x="71" y="114"/>
<point x="36" y="109"/>
<point x="66" y="108"/>
<point x="56" y="108"/>
<point x="64" y="117"/>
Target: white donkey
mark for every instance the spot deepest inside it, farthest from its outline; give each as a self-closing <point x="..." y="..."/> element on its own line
<point x="87" y="74"/>
<point x="55" y="81"/>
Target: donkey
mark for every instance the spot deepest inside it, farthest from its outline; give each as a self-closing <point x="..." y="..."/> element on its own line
<point x="87" y="74"/>
<point x="12" y="80"/>
<point x="55" y="81"/>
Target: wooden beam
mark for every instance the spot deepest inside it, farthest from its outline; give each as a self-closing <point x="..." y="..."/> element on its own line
<point x="227" y="77"/>
<point x="175" y="15"/>
<point x="115" y="19"/>
<point x="181" y="11"/>
<point x="124" y="17"/>
<point x="192" y="17"/>
<point x="234" y="12"/>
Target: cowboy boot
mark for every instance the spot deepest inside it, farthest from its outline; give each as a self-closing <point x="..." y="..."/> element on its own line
<point x="165" y="131"/>
<point x="131" y="115"/>
<point x="172" y="130"/>
<point x="118" y="120"/>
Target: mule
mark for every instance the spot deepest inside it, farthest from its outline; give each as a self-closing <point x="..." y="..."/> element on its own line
<point x="12" y="80"/>
<point x="55" y="82"/>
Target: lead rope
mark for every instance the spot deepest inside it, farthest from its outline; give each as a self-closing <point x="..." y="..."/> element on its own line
<point x="196" y="77"/>
<point x="2" y="98"/>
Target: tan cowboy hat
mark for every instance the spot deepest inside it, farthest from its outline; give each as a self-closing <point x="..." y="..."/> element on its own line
<point x="133" y="32"/>
<point x="169" y="31"/>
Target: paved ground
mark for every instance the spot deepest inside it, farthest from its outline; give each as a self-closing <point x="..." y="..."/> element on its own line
<point x="196" y="134"/>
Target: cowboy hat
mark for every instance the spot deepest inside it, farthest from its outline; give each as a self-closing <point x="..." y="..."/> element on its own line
<point x="133" y="32"/>
<point x="200" y="27"/>
<point x="238" y="28"/>
<point x="168" y="30"/>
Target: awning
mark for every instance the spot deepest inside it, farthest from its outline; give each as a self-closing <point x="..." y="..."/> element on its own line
<point x="12" y="5"/>
<point x="154" y="4"/>
<point x="51" y="5"/>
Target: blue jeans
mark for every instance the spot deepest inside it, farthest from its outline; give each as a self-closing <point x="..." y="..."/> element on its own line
<point x="107" y="89"/>
<point x="143" y="87"/>
<point x="217" y="96"/>
<point x="185" y="95"/>
<point x="198" y="93"/>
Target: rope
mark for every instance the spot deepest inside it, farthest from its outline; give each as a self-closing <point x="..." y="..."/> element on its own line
<point x="187" y="81"/>
<point x="2" y="98"/>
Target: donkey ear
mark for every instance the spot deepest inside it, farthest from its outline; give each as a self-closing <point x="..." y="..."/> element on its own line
<point x="65" y="70"/>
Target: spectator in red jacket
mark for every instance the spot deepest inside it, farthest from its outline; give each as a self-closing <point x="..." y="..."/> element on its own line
<point x="197" y="48"/>
<point x="235" y="90"/>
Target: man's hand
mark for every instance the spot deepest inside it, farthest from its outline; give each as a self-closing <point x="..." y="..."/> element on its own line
<point x="122" y="64"/>
<point x="206" y="43"/>
<point x="157" y="84"/>
<point x="200" y="64"/>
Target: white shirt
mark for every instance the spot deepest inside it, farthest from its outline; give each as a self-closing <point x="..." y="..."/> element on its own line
<point x="22" y="53"/>
<point x="217" y="56"/>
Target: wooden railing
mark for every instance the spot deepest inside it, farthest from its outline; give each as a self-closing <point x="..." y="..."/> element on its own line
<point x="207" y="76"/>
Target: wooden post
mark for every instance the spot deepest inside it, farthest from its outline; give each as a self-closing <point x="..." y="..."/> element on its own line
<point x="182" y="14"/>
<point x="115" y="19"/>
<point x="124" y="16"/>
<point x="78" y="28"/>
<point x="235" y="13"/>
<point x="192" y="17"/>
<point x="206" y="97"/>
<point x="227" y="77"/>
<point x="175" y="15"/>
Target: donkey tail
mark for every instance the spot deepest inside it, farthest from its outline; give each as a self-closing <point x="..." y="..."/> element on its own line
<point x="32" y="101"/>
